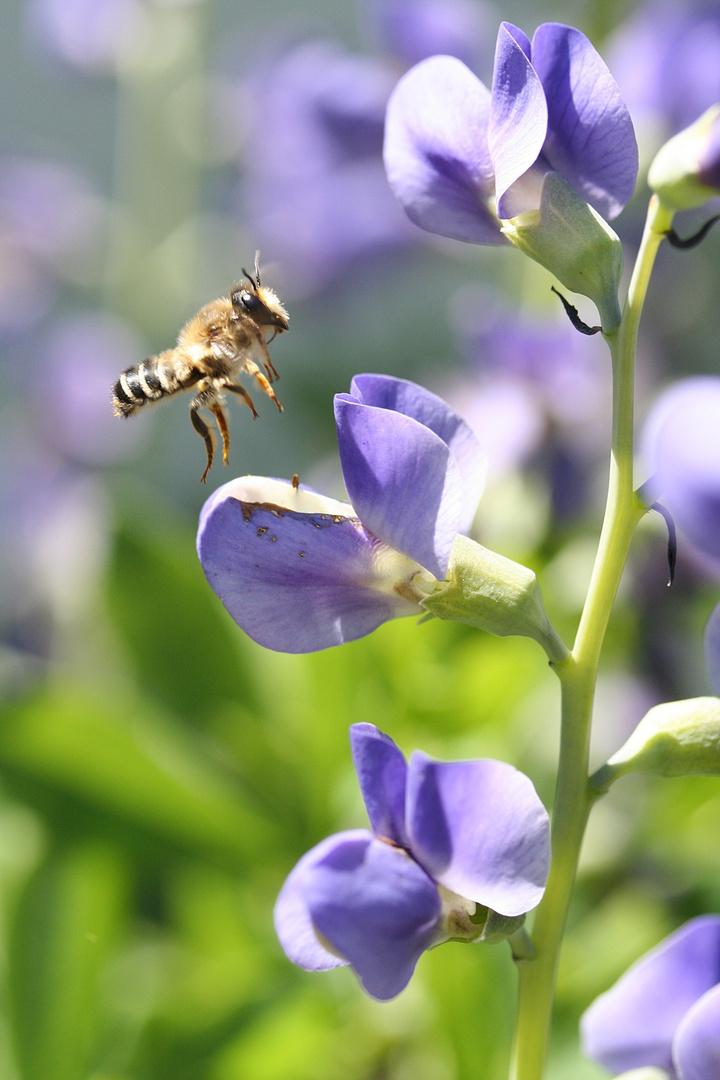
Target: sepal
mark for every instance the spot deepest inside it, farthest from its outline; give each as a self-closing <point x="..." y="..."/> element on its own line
<point x="677" y="738"/>
<point x="571" y="240"/>
<point x="496" y="927"/>
<point x="495" y="594"/>
<point x="686" y="170"/>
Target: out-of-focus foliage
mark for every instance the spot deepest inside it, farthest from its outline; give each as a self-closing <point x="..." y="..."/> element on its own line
<point x="159" y="773"/>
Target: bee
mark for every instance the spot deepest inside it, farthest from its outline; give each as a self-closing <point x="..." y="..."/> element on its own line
<point x="226" y="339"/>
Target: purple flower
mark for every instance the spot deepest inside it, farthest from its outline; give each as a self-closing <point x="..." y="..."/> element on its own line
<point x="316" y="189"/>
<point x="666" y="59"/>
<point x="665" y="1011"/>
<point x="78" y="362"/>
<point x="447" y="836"/>
<point x="712" y="648"/>
<point x="459" y="156"/>
<point x="415" y="29"/>
<point x="299" y="572"/>
<point x="91" y="35"/>
<point x="681" y="446"/>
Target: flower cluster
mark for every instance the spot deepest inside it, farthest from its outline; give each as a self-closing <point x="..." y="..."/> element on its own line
<point x="452" y="844"/>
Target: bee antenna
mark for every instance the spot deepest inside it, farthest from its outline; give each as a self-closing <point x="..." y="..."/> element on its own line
<point x="254" y="281"/>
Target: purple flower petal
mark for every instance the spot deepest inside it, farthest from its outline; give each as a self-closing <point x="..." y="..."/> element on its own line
<point x="708" y="165"/>
<point x="293" y="924"/>
<point x="590" y="138"/>
<point x="381" y="771"/>
<point x="436" y="153"/>
<point x="712" y="649"/>
<point x="403" y="396"/>
<point x="479" y="828"/>
<point x="376" y="907"/>
<point x="681" y="443"/>
<point x="696" y="1048"/>
<point x="402" y="480"/>
<point x="297" y="580"/>
<point x="633" y="1024"/>
<point x="518" y="114"/>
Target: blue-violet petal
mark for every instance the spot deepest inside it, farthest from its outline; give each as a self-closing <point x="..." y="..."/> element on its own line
<point x="479" y="828"/>
<point x="402" y="479"/>
<point x="634" y="1022"/>
<point x="590" y="137"/>
<point x="436" y="151"/>
<point x="376" y="907"/>
<point x="382" y="772"/>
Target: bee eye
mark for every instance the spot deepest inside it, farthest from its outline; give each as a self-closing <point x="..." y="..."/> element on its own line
<point x="247" y="300"/>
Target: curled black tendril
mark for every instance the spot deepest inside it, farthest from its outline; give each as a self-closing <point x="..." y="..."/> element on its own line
<point x="672" y="539"/>
<point x="574" y="316"/>
<point x="691" y="241"/>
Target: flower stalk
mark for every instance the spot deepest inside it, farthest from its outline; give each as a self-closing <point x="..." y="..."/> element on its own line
<point x="578" y="676"/>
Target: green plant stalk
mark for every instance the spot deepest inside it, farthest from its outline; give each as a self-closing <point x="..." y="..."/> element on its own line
<point x="578" y="676"/>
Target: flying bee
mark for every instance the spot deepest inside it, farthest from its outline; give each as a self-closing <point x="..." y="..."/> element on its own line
<point x="227" y="337"/>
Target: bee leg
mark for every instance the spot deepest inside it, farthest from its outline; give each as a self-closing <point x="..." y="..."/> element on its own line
<point x="219" y="414"/>
<point x="267" y="363"/>
<point x="204" y="432"/>
<point x="241" y="392"/>
<point x="252" y="369"/>
<point x="270" y="370"/>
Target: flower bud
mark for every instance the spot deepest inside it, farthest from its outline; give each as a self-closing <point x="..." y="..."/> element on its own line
<point x="574" y="243"/>
<point x="677" y="738"/>
<point x="686" y="170"/>
<point x="487" y="590"/>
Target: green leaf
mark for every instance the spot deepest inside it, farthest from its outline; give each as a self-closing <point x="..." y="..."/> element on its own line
<point x="67" y="924"/>
<point x="127" y="769"/>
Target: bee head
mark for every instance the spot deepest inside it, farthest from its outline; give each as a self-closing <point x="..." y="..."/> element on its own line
<point x="258" y="301"/>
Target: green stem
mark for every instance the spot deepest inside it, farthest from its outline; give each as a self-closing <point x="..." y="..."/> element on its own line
<point x="578" y="676"/>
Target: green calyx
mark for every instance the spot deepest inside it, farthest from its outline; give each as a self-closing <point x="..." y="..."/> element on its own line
<point x="574" y="243"/>
<point x="678" y="738"/>
<point x="495" y="594"/>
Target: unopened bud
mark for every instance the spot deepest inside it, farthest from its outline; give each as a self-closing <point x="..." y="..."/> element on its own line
<point x="678" y="738"/>
<point x="686" y="170"/>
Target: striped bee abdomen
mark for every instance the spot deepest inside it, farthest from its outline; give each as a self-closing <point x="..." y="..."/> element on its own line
<point x="157" y="377"/>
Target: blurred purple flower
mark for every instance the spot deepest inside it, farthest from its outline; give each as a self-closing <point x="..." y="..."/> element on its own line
<point x="300" y="572"/>
<point x="666" y="59"/>
<point x="665" y="1011"/>
<point x="459" y="156"/>
<point x="78" y="364"/>
<point x="412" y="30"/>
<point x="91" y="35"/>
<point x="49" y="209"/>
<point x="536" y="389"/>
<point x="708" y="164"/>
<point x="49" y="221"/>
<point x="54" y="541"/>
<point x="315" y="188"/>
<point x="681" y="447"/>
<point x="447" y="836"/>
<point x="712" y="649"/>
<point x="311" y="124"/>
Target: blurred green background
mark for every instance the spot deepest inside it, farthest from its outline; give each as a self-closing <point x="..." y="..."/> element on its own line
<point x="159" y="773"/>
